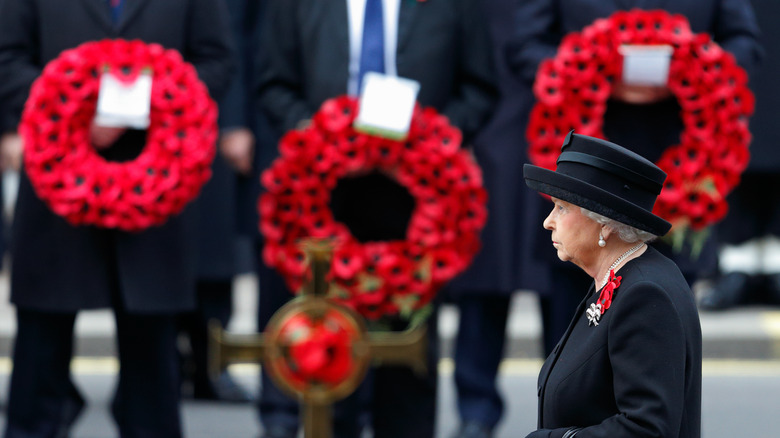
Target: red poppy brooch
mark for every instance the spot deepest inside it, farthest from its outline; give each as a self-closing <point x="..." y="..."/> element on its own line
<point x="383" y="278"/>
<point x="78" y="184"/>
<point x="601" y="305"/>
<point x="572" y="90"/>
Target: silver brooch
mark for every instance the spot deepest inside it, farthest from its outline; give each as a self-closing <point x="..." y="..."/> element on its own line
<point x="594" y="314"/>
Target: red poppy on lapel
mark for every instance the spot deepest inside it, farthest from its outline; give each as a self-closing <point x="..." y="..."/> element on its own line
<point x="605" y="298"/>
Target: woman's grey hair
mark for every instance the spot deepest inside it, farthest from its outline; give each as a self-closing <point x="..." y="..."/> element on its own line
<point x="627" y="233"/>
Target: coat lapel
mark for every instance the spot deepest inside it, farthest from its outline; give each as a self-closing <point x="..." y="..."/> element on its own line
<point x="100" y="12"/>
<point x="406" y="16"/>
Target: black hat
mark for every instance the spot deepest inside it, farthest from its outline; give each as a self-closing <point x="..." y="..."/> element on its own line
<point x="604" y="178"/>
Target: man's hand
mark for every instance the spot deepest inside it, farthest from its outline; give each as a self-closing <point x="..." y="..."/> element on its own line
<point x="237" y="146"/>
<point x="10" y="151"/>
<point x="104" y="136"/>
<point x="640" y="94"/>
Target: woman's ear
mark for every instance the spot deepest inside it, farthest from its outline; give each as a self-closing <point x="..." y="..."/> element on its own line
<point x="606" y="231"/>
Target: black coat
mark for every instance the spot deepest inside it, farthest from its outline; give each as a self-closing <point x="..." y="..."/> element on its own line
<point x="638" y="373"/>
<point x="59" y="267"/>
<point x="227" y="202"/>
<point x="506" y="262"/>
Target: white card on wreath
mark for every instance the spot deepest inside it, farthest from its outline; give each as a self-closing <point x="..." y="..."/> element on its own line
<point x="124" y="105"/>
<point x="646" y="64"/>
<point x="386" y="105"/>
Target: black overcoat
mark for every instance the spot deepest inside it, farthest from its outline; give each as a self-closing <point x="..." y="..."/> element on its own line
<point x="225" y="206"/>
<point x="638" y="373"/>
<point x="59" y="267"/>
<point x="506" y="262"/>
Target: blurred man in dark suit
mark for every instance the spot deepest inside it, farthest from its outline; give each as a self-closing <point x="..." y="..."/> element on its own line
<point x="145" y="277"/>
<point x="313" y="50"/>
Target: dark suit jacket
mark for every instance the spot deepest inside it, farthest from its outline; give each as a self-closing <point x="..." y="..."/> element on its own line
<point x="636" y="374"/>
<point x="58" y="267"/>
<point x="307" y="61"/>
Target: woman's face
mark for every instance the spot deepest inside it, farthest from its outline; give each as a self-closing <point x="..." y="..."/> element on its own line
<point x="574" y="235"/>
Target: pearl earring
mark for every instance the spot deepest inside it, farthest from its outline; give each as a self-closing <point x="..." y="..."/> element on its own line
<point x="602" y="242"/>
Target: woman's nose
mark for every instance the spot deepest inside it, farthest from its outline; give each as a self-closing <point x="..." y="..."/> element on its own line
<point x="547" y="224"/>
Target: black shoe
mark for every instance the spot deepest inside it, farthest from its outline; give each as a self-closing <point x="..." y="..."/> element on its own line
<point x="471" y="429"/>
<point x="224" y="389"/>
<point x="728" y="291"/>
<point x="279" y="432"/>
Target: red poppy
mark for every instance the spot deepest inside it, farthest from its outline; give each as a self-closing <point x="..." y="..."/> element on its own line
<point x="384" y="153"/>
<point x="295" y="143"/>
<point x="347" y="261"/>
<point x="547" y="86"/>
<point x="336" y="114"/>
<point x="396" y="270"/>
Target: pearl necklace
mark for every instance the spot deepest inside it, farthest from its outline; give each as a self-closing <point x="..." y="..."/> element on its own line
<point x="618" y="261"/>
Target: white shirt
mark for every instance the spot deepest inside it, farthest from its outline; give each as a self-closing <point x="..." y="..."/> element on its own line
<point x="355" y="11"/>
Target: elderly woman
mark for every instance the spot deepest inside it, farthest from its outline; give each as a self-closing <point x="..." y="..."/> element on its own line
<point x="629" y="364"/>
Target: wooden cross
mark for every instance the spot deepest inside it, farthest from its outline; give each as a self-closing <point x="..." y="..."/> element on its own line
<point x="397" y="348"/>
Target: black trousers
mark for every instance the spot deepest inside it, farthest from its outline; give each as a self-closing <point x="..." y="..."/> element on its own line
<point x="43" y="402"/>
<point x="214" y="302"/>
<point x="479" y="349"/>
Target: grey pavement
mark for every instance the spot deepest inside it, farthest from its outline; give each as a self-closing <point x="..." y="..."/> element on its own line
<point x="745" y="333"/>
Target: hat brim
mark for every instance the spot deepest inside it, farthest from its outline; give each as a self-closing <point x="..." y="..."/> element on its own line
<point x="585" y="195"/>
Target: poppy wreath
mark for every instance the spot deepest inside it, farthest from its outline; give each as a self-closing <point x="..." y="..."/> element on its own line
<point x="384" y="278"/>
<point x="69" y="175"/>
<point x="572" y="89"/>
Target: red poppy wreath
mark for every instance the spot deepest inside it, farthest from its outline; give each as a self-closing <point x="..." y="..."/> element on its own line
<point x="74" y="180"/>
<point x="573" y="87"/>
<point x="382" y="278"/>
